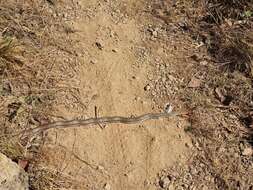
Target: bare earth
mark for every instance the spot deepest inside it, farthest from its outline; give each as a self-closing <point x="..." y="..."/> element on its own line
<point x="112" y="77"/>
<point x="89" y="58"/>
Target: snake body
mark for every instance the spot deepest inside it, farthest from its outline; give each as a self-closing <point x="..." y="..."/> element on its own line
<point x="101" y="120"/>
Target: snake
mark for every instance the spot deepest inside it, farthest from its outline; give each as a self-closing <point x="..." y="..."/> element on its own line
<point x="101" y="120"/>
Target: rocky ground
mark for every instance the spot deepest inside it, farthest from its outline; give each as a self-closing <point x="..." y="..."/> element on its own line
<point x="61" y="60"/>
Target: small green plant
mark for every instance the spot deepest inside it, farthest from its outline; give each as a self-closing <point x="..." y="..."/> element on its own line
<point x="11" y="147"/>
<point x="9" y="52"/>
<point x="247" y="14"/>
<point x="5" y="46"/>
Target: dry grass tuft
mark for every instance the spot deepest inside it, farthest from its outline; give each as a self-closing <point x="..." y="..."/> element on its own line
<point x="48" y="180"/>
<point x="11" y="147"/>
<point x="232" y="49"/>
<point x="219" y="10"/>
<point x="33" y="45"/>
<point x="225" y="27"/>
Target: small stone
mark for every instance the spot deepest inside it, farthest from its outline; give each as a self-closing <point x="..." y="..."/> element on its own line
<point x="115" y="50"/>
<point x="204" y="63"/>
<point x="154" y="34"/>
<point x="12" y="176"/>
<point x="189" y="145"/>
<point x="101" y="168"/>
<point x="99" y="45"/>
<point x="137" y="98"/>
<point x="154" y="93"/>
<point x="107" y="186"/>
<point x="93" y="61"/>
<point x="147" y="87"/>
<point x="197" y="145"/>
<point x="164" y="182"/>
<point x="64" y="15"/>
<point x="146" y="182"/>
<point x="194" y="83"/>
<point x="247" y="152"/>
<point x="144" y="102"/>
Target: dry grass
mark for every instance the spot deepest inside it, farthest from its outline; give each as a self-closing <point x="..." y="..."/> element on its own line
<point x="8" y="60"/>
<point x="31" y="50"/>
<point x="225" y="27"/>
<point x="226" y="31"/>
<point x="220" y="130"/>
<point x="231" y="48"/>
<point x="219" y="10"/>
<point x="47" y="180"/>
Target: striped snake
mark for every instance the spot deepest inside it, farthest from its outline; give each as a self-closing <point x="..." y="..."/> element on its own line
<point x="103" y="120"/>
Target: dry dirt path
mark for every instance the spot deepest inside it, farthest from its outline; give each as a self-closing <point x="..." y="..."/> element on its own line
<point x="112" y="74"/>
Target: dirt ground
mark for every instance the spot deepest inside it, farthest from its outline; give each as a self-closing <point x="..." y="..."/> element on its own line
<point x="125" y="58"/>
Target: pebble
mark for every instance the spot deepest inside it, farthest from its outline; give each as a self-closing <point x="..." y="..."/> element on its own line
<point x="144" y="102"/>
<point x="155" y="34"/>
<point x="203" y="63"/>
<point x="64" y="15"/>
<point x="99" y="45"/>
<point x="12" y="176"/>
<point x="137" y="98"/>
<point x="107" y="186"/>
<point x="189" y="145"/>
<point x="197" y="145"/>
<point x="194" y="83"/>
<point x="164" y="182"/>
<point x="247" y="152"/>
<point x="154" y="93"/>
<point x="101" y="168"/>
<point x="146" y="182"/>
<point x="93" y="61"/>
<point x="147" y="87"/>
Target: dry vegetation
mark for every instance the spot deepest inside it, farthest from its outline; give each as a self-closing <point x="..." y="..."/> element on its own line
<point x="224" y="28"/>
<point x="31" y="37"/>
<point x="221" y="119"/>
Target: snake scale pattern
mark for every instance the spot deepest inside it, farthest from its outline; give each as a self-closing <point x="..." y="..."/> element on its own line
<point x="101" y="120"/>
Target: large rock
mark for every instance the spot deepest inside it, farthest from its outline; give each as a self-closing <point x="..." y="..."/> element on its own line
<point x="12" y="177"/>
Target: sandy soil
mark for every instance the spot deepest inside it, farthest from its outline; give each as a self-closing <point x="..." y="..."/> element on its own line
<point x="111" y="75"/>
